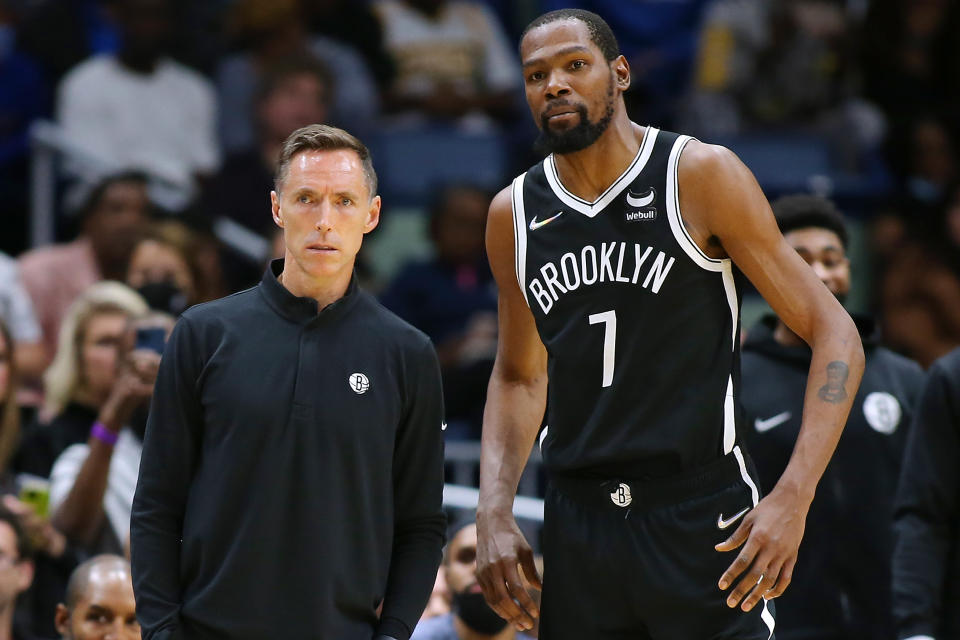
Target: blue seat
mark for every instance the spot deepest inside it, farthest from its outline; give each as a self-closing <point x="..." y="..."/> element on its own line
<point x="411" y="163"/>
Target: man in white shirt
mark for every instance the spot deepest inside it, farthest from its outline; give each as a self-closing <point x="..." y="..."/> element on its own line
<point x="139" y="108"/>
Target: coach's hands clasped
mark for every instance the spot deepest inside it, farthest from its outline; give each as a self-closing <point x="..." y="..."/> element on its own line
<point x="771" y="532"/>
<point x="501" y="549"/>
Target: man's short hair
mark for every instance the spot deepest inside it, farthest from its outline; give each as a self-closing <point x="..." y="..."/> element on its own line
<point x="24" y="548"/>
<point x="802" y="211"/>
<point x="600" y="32"/>
<point x="323" y="137"/>
<point x="282" y="71"/>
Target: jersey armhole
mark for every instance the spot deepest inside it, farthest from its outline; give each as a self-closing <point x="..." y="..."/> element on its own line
<point x="519" y="234"/>
<point x="680" y="233"/>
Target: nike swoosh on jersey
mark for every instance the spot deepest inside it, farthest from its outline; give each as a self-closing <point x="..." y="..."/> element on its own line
<point x="723" y="524"/>
<point x="643" y="200"/>
<point x="536" y="224"/>
<point x="770" y="423"/>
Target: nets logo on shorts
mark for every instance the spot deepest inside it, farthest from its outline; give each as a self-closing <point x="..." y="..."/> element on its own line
<point x="621" y="497"/>
<point x="359" y="383"/>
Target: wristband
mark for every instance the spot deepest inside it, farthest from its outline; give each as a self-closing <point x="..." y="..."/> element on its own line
<point x="104" y="435"/>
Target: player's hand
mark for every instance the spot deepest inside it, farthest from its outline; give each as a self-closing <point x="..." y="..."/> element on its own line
<point x="770" y="535"/>
<point x="502" y="552"/>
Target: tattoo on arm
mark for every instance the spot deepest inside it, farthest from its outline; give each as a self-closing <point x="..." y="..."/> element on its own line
<point x="835" y="390"/>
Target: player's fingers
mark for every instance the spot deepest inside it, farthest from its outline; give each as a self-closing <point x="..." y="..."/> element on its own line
<point x="489" y="579"/>
<point x="502" y="601"/>
<point x="738" y="537"/>
<point x="530" y="568"/>
<point x="747" y="582"/>
<point x="528" y="608"/>
<point x="767" y="580"/>
<point x="742" y="563"/>
<point x="786" y="575"/>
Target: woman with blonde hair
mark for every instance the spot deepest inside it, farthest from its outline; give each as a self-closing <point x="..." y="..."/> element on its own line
<point x="79" y="384"/>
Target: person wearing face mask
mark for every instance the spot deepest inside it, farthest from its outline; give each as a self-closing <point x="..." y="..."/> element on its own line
<point x="163" y="268"/>
<point x="849" y="525"/>
<point x="471" y="618"/>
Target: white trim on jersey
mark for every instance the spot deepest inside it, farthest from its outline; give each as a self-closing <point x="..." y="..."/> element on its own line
<point x="765" y="615"/>
<point x="723" y="266"/>
<point x="519" y="234"/>
<point x="591" y="209"/>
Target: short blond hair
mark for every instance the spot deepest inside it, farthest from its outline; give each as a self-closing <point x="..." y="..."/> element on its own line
<point x="63" y="376"/>
<point x="323" y="137"/>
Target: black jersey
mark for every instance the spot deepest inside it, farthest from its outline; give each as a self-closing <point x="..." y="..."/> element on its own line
<point x="640" y="326"/>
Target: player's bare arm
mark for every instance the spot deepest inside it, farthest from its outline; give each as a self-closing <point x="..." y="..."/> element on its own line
<point x="727" y="215"/>
<point x="516" y="399"/>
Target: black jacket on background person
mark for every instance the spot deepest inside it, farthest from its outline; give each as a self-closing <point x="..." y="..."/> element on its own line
<point x="926" y="563"/>
<point x="299" y="456"/>
<point x="841" y="583"/>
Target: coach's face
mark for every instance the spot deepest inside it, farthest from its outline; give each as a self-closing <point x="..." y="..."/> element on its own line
<point x="325" y="207"/>
<point x="570" y="87"/>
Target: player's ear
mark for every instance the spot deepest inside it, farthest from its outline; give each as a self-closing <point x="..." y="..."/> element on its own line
<point x="275" y="208"/>
<point x="621" y="71"/>
<point x="373" y="215"/>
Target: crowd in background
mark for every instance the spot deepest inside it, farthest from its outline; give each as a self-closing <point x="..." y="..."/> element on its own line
<point x="170" y="114"/>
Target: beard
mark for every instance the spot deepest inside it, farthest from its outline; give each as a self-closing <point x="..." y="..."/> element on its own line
<point x="577" y="138"/>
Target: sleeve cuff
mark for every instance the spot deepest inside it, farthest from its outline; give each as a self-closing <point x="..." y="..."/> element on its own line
<point x="393" y="628"/>
<point x="920" y="638"/>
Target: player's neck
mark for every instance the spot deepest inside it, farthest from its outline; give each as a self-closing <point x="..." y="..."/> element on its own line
<point x="784" y="336"/>
<point x="589" y="172"/>
<point x="325" y="290"/>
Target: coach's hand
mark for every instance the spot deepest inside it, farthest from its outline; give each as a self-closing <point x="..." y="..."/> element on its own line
<point x="772" y="533"/>
<point x="501" y="550"/>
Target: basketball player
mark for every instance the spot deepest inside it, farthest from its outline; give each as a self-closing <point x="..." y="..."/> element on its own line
<point x="619" y="260"/>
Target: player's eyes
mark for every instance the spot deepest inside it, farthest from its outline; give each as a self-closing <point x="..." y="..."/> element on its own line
<point x="536" y="76"/>
<point x="304" y="199"/>
<point x="577" y="64"/>
<point x="345" y="202"/>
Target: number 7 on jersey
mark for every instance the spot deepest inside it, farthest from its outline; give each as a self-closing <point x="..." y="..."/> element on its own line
<point x="609" y="319"/>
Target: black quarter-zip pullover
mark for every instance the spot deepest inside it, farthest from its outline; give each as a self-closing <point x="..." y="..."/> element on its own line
<point x="292" y="472"/>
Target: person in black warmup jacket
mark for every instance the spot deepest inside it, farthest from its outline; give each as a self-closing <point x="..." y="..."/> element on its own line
<point x="292" y="473"/>
<point x="849" y="526"/>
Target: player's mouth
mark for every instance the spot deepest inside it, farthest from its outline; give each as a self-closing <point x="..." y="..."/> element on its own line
<point x="322" y="248"/>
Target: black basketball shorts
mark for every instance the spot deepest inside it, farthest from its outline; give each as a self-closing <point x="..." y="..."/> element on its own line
<point x="628" y="560"/>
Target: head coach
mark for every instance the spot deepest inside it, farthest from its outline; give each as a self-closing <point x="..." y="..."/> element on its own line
<point x="292" y="471"/>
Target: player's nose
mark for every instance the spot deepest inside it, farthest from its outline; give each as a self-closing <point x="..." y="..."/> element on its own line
<point x="557" y="85"/>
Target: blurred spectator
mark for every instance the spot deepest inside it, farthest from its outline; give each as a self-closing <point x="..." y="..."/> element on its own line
<point x="292" y="94"/>
<point x="471" y="617"/>
<point x="16" y="573"/>
<point x="24" y="97"/>
<point x="452" y="59"/>
<point x="163" y="268"/>
<point x="9" y="411"/>
<point x="16" y="312"/>
<point x="848" y="526"/>
<point x="271" y="32"/>
<point x="452" y="298"/>
<point x="911" y="56"/>
<point x="139" y="108"/>
<point x="924" y="155"/>
<point x="111" y="220"/>
<point x="99" y="602"/>
<point x="62" y="34"/>
<point x="784" y="64"/>
<point x="352" y="23"/>
<point x="926" y="562"/>
<point x="92" y="484"/>
<point x="83" y="375"/>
